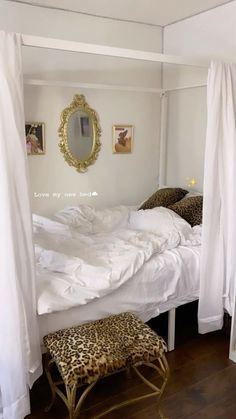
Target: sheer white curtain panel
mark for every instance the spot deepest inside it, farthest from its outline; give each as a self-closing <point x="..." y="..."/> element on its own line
<point x="218" y="258"/>
<point x="20" y="357"/>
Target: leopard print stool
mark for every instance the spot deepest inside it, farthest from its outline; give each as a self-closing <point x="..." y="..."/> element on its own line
<point x="91" y="351"/>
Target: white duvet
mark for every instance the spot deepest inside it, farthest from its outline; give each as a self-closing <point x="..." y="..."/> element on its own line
<point x="83" y="253"/>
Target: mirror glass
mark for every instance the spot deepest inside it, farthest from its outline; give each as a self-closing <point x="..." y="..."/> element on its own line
<point x="79" y="134"/>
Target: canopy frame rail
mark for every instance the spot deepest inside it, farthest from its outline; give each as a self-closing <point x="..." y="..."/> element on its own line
<point x="84" y="85"/>
<point x="97" y="49"/>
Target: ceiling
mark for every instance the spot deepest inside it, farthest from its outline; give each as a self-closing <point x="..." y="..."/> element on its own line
<point x="154" y="12"/>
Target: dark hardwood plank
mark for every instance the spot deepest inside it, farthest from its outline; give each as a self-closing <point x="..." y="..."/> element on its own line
<point x="225" y="408"/>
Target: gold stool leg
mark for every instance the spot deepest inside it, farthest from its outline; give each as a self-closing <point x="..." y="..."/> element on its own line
<point x="48" y="362"/>
<point x="70" y="400"/>
<point x="163" y="371"/>
<point x="166" y="372"/>
<point x="83" y="396"/>
<point x="70" y="397"/>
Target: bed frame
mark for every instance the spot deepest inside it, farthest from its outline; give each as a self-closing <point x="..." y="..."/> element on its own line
<point x="79" y="47"/>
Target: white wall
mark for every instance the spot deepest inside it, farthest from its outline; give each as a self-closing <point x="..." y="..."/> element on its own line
<point x="118" y="179"/>
<point x="186" y="137"/>
<point x="209" y="35"/>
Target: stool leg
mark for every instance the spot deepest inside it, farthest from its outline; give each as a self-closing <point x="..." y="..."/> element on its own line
<point x="71" y="395"/>
<point x="81" y="400"/>
<point x="47" y="365"/>
<point x="161" y="414"/>
<point x="166" y="372"/>
<point x="163" y="372"/>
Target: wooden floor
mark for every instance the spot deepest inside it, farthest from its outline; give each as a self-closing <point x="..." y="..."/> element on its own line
<point x="202" y="383"/>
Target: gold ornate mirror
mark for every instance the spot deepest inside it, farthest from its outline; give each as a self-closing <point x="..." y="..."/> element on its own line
<point x="79" y="134"/>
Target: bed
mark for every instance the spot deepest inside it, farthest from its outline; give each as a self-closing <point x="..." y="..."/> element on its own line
<point x="91" y="264"/>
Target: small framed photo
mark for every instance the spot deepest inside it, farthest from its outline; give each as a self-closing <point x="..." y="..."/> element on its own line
<point x="122" y="139"/>
<point x="34" y="137"/>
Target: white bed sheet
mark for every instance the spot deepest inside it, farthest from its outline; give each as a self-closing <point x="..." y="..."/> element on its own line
<point x="166" y="281"/>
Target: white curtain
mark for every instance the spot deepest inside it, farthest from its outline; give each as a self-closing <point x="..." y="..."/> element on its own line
<point x="218" y="260"/>
<point x="20" y="358"/>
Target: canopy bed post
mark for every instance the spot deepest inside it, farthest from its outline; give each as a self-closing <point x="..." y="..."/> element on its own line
<point x="163" y="139"/>
<point x="171" y="329"/>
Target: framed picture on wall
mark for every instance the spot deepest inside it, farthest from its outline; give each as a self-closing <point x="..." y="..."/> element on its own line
<point x="34" y="137"/>
<point x="122" y="139"/>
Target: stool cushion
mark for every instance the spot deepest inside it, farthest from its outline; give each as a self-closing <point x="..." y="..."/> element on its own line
<point x="95" y="349"/>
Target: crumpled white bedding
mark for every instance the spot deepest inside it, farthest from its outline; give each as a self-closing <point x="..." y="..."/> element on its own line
<point x="89" y="220"/>
<point x="89" y="253"/>
<point x="166" y="281"/>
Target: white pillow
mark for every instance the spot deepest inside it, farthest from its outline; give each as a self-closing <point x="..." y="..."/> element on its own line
<point x="165" y="222"/>
<point x="158" y="220"/>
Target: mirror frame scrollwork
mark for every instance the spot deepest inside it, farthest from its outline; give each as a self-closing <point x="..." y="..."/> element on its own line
<point x="79" y="104"/>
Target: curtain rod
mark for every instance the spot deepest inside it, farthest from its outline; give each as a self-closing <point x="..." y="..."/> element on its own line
<point x="73" y="46"/>
<point x="60" y="83"/>
<point x="194" y="86"/>
<point x="72" y="84"/>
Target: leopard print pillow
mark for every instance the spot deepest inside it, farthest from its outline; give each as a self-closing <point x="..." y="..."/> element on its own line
<point x="190" y="209"/>
<point x="163" y="198"/>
